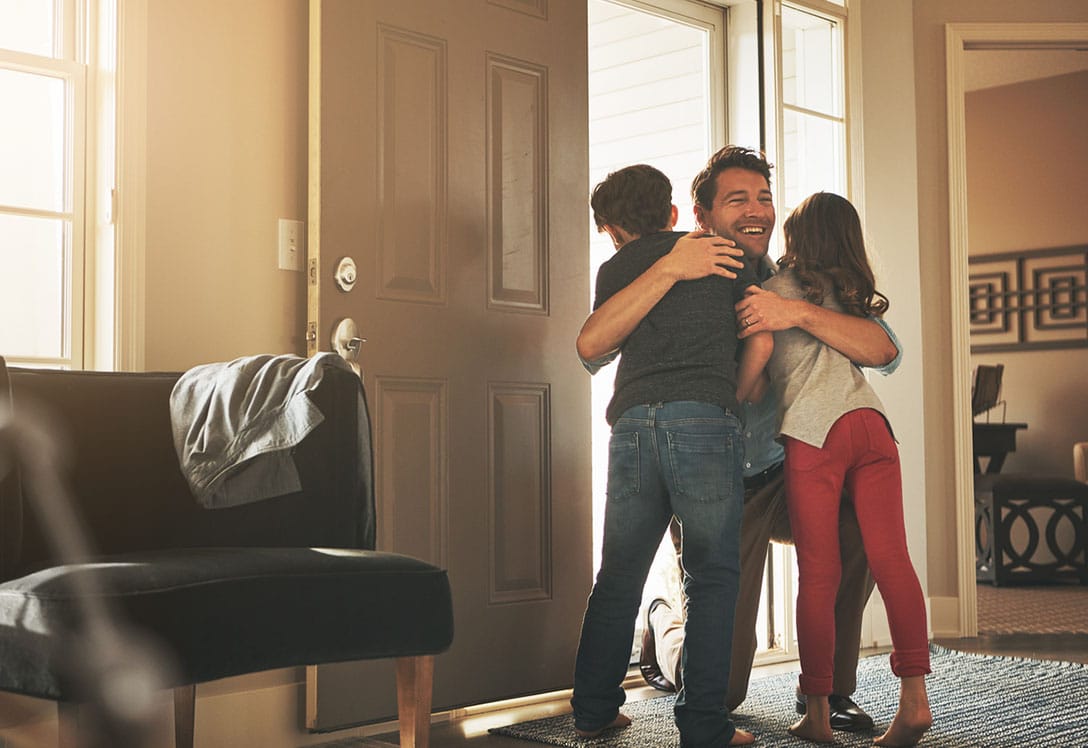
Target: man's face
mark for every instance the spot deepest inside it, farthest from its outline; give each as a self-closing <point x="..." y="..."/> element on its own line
<point x="743" y="211"/>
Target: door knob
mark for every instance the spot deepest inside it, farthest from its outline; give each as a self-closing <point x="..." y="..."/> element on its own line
<point x="347" y="343"/>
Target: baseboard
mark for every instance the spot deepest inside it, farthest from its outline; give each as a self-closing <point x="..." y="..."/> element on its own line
<point x="945" y="617"/>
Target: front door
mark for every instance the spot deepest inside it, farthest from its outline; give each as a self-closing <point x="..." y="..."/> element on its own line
<point x="448" y="161"/>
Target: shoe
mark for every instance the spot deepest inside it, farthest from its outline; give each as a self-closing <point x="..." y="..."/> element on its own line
<point x="845" y="714"/>
<point x="647" y="658"/>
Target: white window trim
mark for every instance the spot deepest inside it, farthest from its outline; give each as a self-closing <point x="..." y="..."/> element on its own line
<point x="126" y="301"/>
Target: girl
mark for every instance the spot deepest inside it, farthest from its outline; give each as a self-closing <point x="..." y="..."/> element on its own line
<point x="835" y="432"/>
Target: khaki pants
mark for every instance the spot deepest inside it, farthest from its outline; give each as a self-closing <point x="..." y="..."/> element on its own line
<point x="766" y="519"/>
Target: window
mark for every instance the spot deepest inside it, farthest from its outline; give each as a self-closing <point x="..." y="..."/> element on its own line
<point x="48" y="57"/>
<point x="812" y="106"/>
<point x="808" y="128"/>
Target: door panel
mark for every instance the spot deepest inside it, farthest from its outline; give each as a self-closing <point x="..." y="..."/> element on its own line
<point x="449" y="159"/>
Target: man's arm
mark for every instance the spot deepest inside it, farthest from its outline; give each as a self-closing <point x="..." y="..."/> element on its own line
<point x="863" y="340"/>
<point x="696" y="255"/>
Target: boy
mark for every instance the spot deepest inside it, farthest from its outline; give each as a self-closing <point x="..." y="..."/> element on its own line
<point x="675" y="449"/>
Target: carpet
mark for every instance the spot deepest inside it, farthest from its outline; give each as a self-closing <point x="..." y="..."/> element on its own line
<point x="1039" y="609"/>
<point x="977" y="700"/>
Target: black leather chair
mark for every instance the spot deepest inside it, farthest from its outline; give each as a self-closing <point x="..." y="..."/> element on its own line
<point x="221" y="592"/>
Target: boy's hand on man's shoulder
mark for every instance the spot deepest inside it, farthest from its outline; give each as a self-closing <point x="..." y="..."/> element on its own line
<point x="699" y="254"/>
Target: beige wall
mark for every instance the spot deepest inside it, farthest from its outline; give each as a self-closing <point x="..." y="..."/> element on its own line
<point x="226" y="158"/>
<point x="930" y="17"/>
<point x="1026" y="160"/>
<point x="890" y="206"/>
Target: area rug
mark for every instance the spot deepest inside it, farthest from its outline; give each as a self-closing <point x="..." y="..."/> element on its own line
<point x="977" y="700"/>
<point x="1039" y="609"/>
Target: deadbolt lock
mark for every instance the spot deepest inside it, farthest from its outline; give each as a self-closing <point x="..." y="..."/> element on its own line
<point x="346" y="274"/>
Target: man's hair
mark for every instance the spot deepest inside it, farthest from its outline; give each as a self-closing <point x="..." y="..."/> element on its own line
<point x="638" y="199"/>
<point x="705" y="185"/>
<point x="825" y="244"/>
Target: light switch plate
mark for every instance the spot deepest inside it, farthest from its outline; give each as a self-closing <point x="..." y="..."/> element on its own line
<point x="292" y="244"/>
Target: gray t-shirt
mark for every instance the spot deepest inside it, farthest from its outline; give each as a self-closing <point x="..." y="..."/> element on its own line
<point x="685" y="347"/>
<point x="815" y="384"/>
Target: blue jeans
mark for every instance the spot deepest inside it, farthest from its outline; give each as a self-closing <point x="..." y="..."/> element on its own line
<point x="681" y="458"/>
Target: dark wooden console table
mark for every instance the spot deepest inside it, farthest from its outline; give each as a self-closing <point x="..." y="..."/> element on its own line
<point x="994" y="440"/>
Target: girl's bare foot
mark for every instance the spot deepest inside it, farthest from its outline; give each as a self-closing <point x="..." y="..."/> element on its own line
<point x="913" y="717"/>
<point x="621" y="720"/>
<point x="816" y="724"/>
<point x="742" y="737"/>
<point x="807" y="729"/>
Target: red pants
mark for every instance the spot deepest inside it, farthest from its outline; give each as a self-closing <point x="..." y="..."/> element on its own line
<point x="859" y="452"/>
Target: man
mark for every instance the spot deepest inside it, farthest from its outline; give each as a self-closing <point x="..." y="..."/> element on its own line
<point x="675" y="451"/>
<point x="733" y="199"/>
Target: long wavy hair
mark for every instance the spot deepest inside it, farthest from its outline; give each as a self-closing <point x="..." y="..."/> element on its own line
<point x="825" y="247"/>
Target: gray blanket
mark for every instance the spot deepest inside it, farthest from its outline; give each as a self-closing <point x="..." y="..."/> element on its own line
<point x="235" y="425"/>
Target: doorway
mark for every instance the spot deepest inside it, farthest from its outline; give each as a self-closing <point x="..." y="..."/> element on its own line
<point x="656" y="83"/>
<point x="963" y="39"/>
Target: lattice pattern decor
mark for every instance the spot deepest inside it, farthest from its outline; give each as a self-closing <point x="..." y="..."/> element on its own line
<point x="1035" y="299"/>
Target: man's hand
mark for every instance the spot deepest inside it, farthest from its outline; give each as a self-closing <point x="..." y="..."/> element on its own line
<point x="765" y="311"/>
<point x="699" y="254"/>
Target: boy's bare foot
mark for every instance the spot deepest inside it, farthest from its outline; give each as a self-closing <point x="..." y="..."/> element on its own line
<point x="742" y="737"/>
<point x="810" y="729"/>
<point x="913" y="717"/>
<point x="621" y="720"/>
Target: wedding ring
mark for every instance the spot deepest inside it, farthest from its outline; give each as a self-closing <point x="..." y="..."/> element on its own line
<point x="748" y="321"/>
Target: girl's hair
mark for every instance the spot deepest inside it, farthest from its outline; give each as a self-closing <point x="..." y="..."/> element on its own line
<point x="824" y="241"/>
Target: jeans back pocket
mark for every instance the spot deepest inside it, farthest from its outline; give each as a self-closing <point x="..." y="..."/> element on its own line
<point x="705" y="467"/>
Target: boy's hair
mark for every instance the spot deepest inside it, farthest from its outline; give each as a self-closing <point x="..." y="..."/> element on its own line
<point x="638" y="199"/>
<point x="824" y="238"/>
<point x="705" y="185"/>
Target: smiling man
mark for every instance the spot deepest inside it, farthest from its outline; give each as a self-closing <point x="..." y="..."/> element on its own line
<point x="733" y="199"/>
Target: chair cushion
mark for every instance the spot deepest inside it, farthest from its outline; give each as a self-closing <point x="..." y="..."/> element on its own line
<point x="1027" y="485"/>
<point x="228" y="611"/>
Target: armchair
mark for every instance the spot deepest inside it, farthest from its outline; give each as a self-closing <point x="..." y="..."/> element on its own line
<point x="282" y="582"/>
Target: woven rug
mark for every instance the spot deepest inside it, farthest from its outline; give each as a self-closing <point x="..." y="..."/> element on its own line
<point x="1039" y="609"/>
<point x="977" y="700"/>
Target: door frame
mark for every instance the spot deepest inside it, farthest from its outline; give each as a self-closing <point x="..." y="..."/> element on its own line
<point x="959" y="39"/>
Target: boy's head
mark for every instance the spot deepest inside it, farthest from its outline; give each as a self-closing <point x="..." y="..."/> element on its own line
<point x="636" y="199"/>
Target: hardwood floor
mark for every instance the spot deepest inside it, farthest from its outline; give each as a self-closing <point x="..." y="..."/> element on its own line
<point x="470" y="728"/>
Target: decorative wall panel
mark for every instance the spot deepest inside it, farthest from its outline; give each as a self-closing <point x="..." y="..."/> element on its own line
<point x="536" y="8"/>
<point x="519" y="487"/>
<point x="411" y="448"/>
<point x="517" y="186"/>
<point x="412" y="159"/>
<point x="1036" y="299"/>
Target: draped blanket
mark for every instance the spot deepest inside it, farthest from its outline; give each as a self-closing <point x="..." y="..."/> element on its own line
<point x="236" y="423"/>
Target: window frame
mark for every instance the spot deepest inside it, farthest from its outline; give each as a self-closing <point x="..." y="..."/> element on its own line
<point x="780" y="578"/>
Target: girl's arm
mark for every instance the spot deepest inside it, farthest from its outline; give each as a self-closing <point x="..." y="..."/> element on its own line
<point x="752" y="381"/>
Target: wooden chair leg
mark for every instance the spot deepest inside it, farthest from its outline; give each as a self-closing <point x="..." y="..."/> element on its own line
<point x="67" y="724"/>
<point x="184" y="715"/>
<point x="415" y="679"/>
